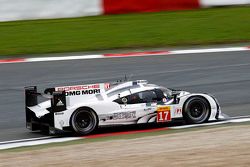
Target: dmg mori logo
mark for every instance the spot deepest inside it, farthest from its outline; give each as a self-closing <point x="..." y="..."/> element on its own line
<point x="83" y="92"/>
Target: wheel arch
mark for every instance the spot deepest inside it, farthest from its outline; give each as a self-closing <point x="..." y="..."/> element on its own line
<point x="200" y="96"/>
<point x="83" y="108"/>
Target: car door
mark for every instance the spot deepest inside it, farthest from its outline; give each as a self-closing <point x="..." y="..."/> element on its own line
<point x="144" y="104"/>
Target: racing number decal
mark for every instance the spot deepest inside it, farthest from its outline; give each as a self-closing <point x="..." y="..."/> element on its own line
<point x="163" y="114"/>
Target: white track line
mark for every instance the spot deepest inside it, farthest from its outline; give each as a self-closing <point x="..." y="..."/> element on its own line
<point x="211" y="50"/>
<point x="121" y="55"/>
<point x="64" y="58"/>
<point x="47" y="140"/>
<point x="37" y="142"/>
<point x="197" y="125"/>
<point x="236" y="120"/>
<point x="239" y="120"/>
<point x="24" y="140"/>
<point x="237" y="117"/>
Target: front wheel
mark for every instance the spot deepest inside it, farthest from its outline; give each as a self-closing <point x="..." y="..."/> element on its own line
<point x="196" y="110"/>
<point x="83" y="121"/>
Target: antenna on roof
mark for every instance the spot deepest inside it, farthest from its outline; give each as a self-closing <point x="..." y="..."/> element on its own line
<point x="130" y="76"/>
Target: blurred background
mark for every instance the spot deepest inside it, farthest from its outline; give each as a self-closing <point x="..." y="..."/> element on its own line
<point x="54" y="26"/>
<point x="61" y="28"/>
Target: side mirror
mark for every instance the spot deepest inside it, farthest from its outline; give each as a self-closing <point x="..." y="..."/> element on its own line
<point x="175" y="94"/>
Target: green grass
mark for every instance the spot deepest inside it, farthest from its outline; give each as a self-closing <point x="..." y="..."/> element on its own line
<point x="207" y="26"/>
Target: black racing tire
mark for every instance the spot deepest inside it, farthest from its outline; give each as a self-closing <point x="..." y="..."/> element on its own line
<point x="84" y="121"/>
<point x="196" y="110"/>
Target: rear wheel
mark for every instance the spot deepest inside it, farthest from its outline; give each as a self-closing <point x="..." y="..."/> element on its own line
<point x="83" y="121"/>
<point x="196" y="110"/>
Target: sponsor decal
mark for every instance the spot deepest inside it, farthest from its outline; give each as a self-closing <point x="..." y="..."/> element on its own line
<point x="106" y="86"/>
<point x="124" y="100"/>
<point x="83" y="92"/>
<point x="124" y="115"/>
<point x="164" y="100"/>
<point x="163" y="114"/>
<point x="178" y="111"/>
<point x="59" y="113"/>
<point x="119" y="115"/>
<point x="60" y="103"/>
<point x="78" y="87"/>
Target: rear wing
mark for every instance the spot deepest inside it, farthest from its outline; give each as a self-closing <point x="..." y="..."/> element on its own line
<point x="57" y="98"/>
<point x="58" y="103"/>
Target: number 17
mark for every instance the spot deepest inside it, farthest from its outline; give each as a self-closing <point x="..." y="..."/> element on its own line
<point x="163" y="116"/>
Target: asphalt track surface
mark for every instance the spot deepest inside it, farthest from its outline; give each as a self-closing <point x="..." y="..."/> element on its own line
<point x="225" y="75"/>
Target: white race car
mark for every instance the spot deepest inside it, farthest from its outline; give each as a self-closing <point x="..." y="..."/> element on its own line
<point x="83" y="108"/>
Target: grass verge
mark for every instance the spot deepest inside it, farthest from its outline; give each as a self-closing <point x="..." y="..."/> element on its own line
<point x="206" y="26"/>
<point x="120" y="137"/>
